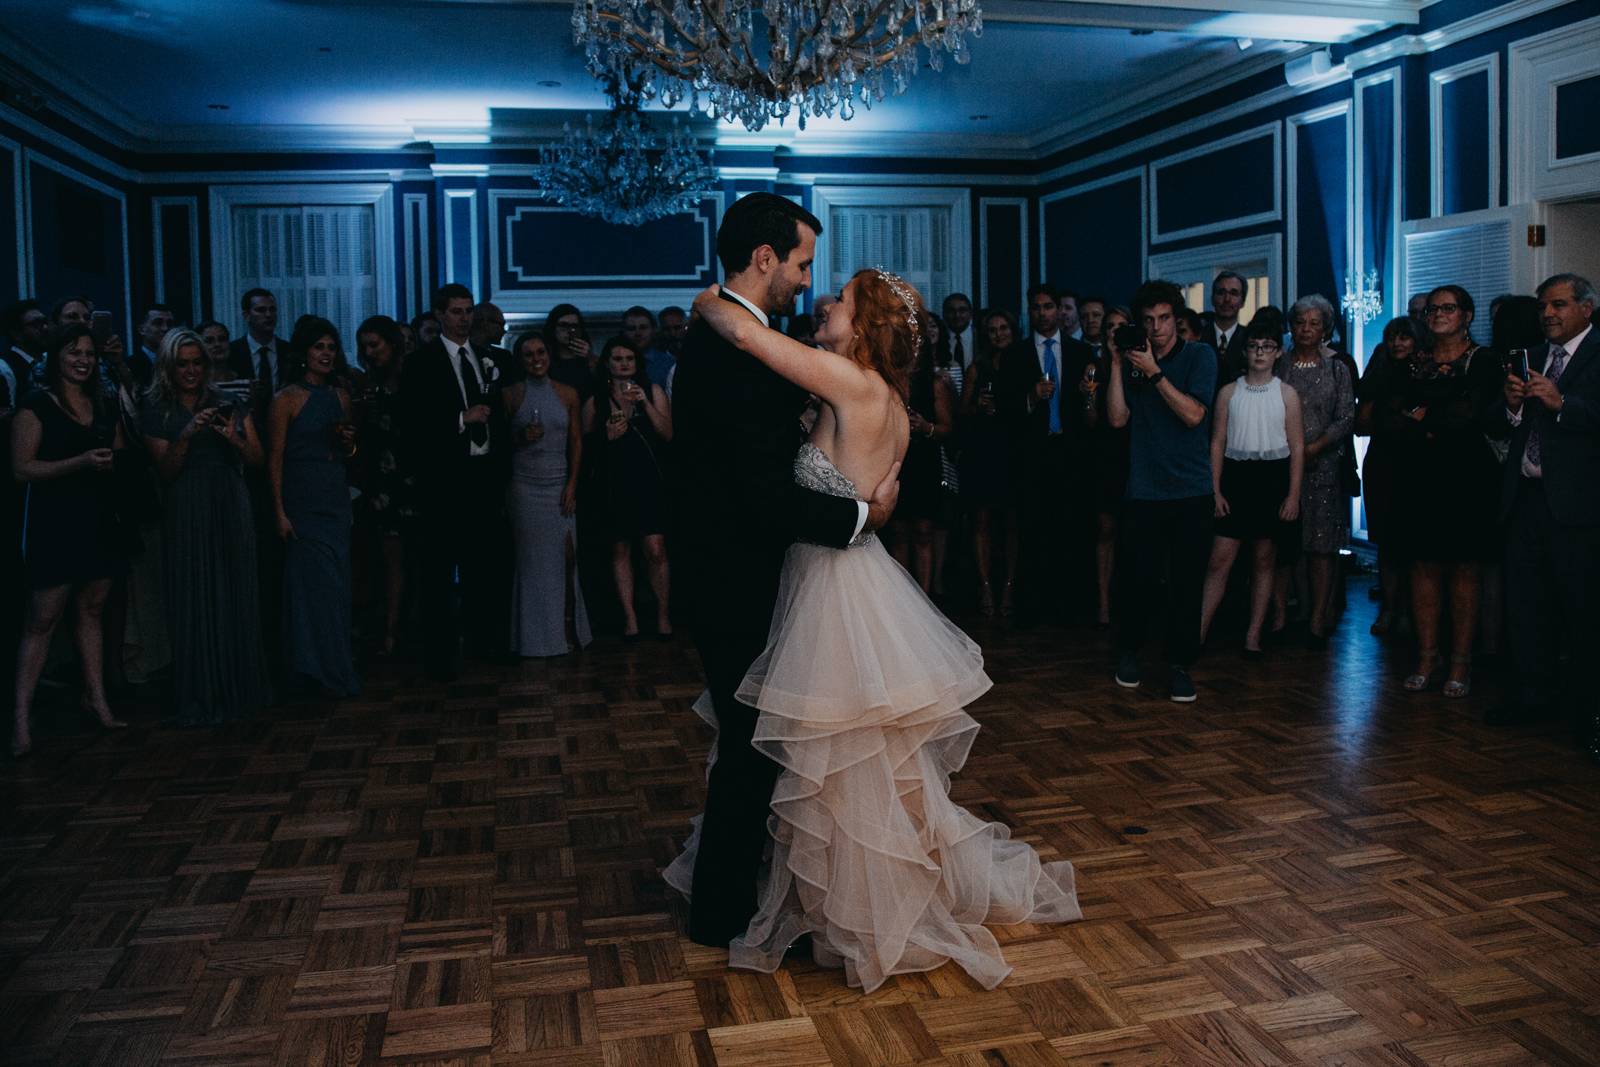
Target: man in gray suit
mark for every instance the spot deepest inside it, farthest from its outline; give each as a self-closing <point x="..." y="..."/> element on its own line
<point x="1550" y="501"/>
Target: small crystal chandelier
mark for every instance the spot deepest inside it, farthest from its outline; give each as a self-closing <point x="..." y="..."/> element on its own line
<point x="821" y="55"/>
<point x="622" y="169"/>
<point x="1363" y="297"/>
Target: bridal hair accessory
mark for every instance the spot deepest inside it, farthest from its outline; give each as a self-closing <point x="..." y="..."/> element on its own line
<point x="899" y="287"/>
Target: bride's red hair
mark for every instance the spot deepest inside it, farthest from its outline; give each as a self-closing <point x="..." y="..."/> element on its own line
<point x="884" y="340"/>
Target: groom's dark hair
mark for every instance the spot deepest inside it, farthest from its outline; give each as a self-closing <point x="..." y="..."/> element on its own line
<point x="760" y="219"/>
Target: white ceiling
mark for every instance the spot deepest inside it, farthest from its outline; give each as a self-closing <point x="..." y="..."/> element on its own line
<point x="385" y="73"/>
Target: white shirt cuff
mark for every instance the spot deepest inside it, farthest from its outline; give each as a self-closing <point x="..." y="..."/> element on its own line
<point x="861" y="519"/>
<point x="1514" y="417"/>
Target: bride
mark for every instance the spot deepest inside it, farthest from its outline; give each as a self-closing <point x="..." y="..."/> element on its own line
<point x="861" y="689"/>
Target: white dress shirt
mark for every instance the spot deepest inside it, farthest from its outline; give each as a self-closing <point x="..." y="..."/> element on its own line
<point x="1224" y="336"/>
<point x="969" y="345"/>
<point x="460" y="354"/>
<point x="1529" y="468"/>
<point x="1044" y="369"/>
<point x="861" y="505"/>
<point x="255" y="348"/>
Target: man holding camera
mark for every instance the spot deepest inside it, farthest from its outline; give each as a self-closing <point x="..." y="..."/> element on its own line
<point x="1161" y="387"/>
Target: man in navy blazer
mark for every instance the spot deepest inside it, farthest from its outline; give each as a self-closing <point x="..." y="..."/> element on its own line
<point x="1550" y="501"/>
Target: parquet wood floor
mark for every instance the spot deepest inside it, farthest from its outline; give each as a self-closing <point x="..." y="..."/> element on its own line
<point x="1305" y="867"/>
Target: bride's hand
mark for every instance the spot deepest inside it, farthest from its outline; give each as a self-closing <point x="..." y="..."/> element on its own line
<point x="881" y="504"/>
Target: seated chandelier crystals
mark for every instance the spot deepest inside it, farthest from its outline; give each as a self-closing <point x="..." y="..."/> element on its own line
<point x="622" y="169"/>
<point x="820" y="55"/>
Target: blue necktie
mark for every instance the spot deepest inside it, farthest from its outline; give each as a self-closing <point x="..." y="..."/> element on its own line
<point x="1054" y="375"/>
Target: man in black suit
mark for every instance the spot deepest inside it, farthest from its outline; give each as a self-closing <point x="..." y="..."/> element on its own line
<point x="153" y="328"/>
<point x="259" y="355"/>
<point x="1040" y="385"/>
<point x="457" y="451"/>
<point x="1224" y="332"/>
<point x="1550" y="500"/>
<point x="736" y="431"/>
<point x="25" y="325"/>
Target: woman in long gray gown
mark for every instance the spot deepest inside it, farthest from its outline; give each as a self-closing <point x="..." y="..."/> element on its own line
<point x="200" y="441"/>
<point x="548" y="617"/>
<point x="312" y="437"/>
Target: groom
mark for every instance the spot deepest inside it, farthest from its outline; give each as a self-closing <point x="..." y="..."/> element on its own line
<point x="737" y="429"/>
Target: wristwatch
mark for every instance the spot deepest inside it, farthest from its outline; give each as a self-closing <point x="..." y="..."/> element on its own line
<point x="1157" y="378"/>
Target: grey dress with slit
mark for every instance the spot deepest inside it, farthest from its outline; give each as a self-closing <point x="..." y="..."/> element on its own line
<point x="540" y="591"/>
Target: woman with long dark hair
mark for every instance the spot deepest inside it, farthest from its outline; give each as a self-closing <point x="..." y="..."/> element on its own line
<point x="63" y="448"/>
<point x="572" y="359"/>
<point x="386" y="510"/>
<point x="630" y="422"/>
<point x="312" y="438"/>
<point x="200" y="441"/>
<point x="987" y="458"/>
<point x="930" y="405"/>
<point x="548" y="615"/>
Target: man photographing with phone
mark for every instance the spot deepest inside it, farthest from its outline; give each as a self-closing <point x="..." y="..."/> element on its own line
<point x="1160" y="387"/>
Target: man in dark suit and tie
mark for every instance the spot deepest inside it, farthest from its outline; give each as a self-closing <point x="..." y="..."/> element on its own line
<point x="736" y="427"/>
<point x="457" y="451"/>
<point x="259" y="355"/>
<point x="1040" y="384"/>
<point x="1224" y="332"/>
<point x="1550" y="500"/>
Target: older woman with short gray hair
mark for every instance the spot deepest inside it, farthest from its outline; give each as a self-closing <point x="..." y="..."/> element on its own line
<point x="1327" y="397"/>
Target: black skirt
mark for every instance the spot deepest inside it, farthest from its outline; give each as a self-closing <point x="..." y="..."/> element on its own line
<point x="1255" y="490"/>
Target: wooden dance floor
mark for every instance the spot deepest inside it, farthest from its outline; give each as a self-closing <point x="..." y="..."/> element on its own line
<point x="1305" y="867"/>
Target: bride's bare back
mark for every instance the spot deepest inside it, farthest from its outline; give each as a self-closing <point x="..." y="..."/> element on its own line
<point x="863" y="437"/>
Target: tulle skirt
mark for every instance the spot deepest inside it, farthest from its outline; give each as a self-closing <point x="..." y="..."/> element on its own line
<point x="861" y="690"/>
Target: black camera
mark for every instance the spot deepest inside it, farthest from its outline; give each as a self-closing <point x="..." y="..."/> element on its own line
<point x="1130" y="338"/>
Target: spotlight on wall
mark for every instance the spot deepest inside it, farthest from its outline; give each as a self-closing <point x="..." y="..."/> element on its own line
<point x="1308" y="68"/>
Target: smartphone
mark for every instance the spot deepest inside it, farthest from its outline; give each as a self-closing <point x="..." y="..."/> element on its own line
<point x="100" y="327"/>
<point x="1517" y="363"/>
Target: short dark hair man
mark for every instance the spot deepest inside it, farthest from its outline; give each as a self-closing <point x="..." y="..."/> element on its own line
<point x="25" y="325"/>
<point x="1039" y="381"/>
<point x="1552" y="510"/>
<point x="1224" y="332"/>
<point x="1162" y="392"/>
<point x="957" y="310"/>
<point x="157" y="321"/>
<point x="259" y="354"/>
<point x="639" y="330"/>
<point x="1092" y="315"/>
<point x="449" y="406"/>
<point x="735" y="438"/>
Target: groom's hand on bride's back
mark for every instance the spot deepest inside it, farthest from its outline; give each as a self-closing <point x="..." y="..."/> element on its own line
<point x="880" y="505"/>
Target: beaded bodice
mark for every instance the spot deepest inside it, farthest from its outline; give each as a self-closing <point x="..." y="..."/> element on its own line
<point x="814" y="470"/>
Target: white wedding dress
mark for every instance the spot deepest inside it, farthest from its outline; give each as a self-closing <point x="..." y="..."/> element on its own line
<point x="861" y="690"/>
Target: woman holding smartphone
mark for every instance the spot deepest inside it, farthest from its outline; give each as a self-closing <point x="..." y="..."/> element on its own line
<point x="63" y="448"/>
<point x="200" y="441"/>
<point x="631" y="420"/>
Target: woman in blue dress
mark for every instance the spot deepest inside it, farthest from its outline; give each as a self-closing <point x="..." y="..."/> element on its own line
<point x="312" y="438"/>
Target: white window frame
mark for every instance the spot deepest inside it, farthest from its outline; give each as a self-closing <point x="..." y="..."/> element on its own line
<point x="224" y="198"/>
<point x="1189" y="264"/>
<point x="958" y="200"/>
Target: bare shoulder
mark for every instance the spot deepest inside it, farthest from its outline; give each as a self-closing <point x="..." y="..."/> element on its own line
<point x="568" y="395"/>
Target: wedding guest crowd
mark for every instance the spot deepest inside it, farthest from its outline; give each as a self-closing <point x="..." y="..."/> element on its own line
<point x="272" y="510"/>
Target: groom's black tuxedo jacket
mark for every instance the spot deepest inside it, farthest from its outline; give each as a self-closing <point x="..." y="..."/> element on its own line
<point x="736" y="430"/>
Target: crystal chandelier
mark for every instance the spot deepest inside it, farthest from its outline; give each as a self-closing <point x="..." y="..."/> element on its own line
<point x="820" y="55"/>
<point x="622" y="169"/>
<point x="1363" y="297"/>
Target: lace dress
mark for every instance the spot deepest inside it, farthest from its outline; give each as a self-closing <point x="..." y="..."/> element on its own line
<point x="861" y="689"/>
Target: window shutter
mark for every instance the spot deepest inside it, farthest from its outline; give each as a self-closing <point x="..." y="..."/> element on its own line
<point x="1476" y="257"/>
<point x="318" y="260"/>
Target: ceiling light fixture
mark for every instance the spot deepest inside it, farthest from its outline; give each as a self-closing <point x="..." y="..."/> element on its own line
<point x="819" y="55"/>
<point x="622" y="169"/>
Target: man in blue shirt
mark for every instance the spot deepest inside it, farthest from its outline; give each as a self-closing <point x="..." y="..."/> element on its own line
<point x="1162" y="391"/>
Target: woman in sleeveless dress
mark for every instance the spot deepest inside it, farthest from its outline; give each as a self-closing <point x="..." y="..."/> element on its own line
<point x="548" y="617"/>
<point x="312" y="438"/>
<point x="1257" y="460"/>
<point x="861" y="689"/>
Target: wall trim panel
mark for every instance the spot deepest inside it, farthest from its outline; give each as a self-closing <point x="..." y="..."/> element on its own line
<point x="157" y="206"/>
<point x="1488" y="65"/>
<point x="1273" y="129"/>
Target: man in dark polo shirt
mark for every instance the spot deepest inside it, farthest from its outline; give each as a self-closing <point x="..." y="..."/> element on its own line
<point x="1162" y="392"/>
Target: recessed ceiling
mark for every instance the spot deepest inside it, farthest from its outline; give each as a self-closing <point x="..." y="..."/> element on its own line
<point x="384" y="73"/>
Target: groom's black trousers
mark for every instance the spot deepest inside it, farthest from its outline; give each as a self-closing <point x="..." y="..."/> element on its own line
<point x="733" y="834"/>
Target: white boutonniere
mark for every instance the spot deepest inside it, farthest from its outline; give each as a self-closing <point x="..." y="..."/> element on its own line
<point x="491" y="372"/>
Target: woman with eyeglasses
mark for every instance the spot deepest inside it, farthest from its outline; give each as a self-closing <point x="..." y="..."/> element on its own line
<point x="1450" y="478"/>
<point x="1257" y="462"/>
<point x="1328" y="407"/>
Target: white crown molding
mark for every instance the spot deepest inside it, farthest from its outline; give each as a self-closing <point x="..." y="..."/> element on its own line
<point x="1471" y="26"/>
